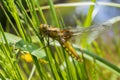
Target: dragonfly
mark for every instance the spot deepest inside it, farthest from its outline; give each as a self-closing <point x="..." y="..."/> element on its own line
<point x="63" y="35"/>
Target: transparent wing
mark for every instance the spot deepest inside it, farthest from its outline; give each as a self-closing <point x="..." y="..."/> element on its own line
<point x="91" y="33"/>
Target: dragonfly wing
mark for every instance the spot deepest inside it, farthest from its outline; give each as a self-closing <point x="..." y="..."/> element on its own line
<point x="91" y="33"/>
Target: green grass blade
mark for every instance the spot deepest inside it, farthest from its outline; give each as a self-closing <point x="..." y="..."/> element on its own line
<point x="53" y="13"/>
<point x="90" y="15"/>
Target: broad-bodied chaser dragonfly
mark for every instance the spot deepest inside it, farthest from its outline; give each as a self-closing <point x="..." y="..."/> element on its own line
<point x="63" y="35"/>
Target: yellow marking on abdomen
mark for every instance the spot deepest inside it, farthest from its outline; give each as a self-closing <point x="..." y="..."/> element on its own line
<point x="71" y="51"/>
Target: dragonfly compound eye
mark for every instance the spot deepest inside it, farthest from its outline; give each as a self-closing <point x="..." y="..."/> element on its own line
<point x="44" y="26"/>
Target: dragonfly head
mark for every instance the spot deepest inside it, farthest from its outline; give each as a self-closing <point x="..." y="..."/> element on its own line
<point x="43" y="27"/>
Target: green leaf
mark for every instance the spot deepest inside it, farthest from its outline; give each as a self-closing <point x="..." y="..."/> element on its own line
<point x="26" y="46"/>
<point x="39" y="53"/>
<point x="11" y="38"/>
